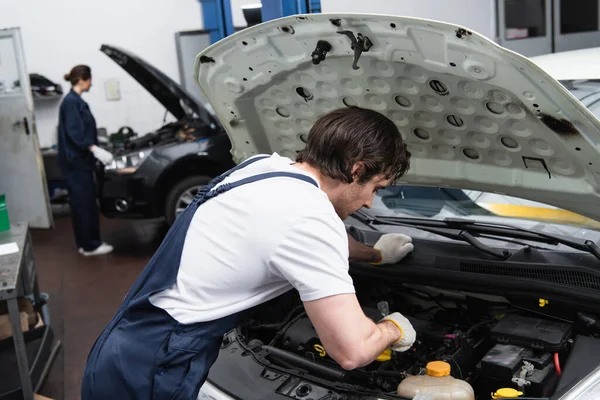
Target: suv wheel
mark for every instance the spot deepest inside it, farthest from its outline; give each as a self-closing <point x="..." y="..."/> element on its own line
<point x="181" y="195"/>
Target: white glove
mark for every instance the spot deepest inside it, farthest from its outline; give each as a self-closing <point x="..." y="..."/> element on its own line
<point x="407" y="335"/>
<point x="102" y="155"/>
<point x="393" y="247"/>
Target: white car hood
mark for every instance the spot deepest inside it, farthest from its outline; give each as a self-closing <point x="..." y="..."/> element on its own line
<point x="475" y="115"/>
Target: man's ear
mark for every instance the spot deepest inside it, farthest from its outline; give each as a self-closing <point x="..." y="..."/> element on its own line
<point x="358" y="170"/>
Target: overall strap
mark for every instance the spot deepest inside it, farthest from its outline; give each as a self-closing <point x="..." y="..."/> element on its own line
<point x="247" y="162"/>
<point x="231" y="185"/>
<point x="240" y="166"/>
<point x="214" y="182"/>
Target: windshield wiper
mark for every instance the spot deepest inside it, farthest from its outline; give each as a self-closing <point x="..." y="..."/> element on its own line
<point x="468" y="230"/>
<point x="450" y="233"/>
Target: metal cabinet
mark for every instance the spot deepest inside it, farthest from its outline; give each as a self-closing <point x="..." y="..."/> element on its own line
<point x="536" y="27"/>
<point x="525" y="26"/>
<point x="24" y="362"/>
<point x="576" y="24"/>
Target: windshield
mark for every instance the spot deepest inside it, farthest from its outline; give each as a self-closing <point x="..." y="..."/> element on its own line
<point x="439" y="203"/>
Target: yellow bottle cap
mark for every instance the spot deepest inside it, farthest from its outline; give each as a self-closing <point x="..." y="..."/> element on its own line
<point x="506" y="393"/>
<point x="385" y="356"/>
<point x="437" y="368"/>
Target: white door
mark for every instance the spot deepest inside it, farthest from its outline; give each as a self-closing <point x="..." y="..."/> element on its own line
<point x="576" y="24"/>
<point x="22" y="176"/>
<point x="525" y="26"/>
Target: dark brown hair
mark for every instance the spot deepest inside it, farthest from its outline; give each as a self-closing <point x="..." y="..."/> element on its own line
<point x="78" y="72"/>
<point x="343" y="137"/>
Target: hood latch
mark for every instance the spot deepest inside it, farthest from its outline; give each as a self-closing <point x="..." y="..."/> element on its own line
<point x="359" y="44"/>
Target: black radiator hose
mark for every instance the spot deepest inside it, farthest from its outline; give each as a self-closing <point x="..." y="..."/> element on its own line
<point x="322" y="371"/>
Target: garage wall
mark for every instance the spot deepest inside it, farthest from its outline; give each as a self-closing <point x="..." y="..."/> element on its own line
<point x="59" y="34"/>
<point x="477" y="15"/>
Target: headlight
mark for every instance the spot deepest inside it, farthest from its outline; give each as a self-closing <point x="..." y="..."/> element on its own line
<point x="209" y="392"/>
<point x="128" y="163"/>
<point x="586" y="389"/>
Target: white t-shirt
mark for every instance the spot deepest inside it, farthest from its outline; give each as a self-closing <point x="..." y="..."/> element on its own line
<point x="256" y="242"/>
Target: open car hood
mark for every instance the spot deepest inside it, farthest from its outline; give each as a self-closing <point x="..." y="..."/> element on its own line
<point x="168" y="93"/>
<point x="475" y="115"/>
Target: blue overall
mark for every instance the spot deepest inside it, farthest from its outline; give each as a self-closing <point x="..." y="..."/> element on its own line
<point x="143" y="353"/>
<point x="76" y="133"/>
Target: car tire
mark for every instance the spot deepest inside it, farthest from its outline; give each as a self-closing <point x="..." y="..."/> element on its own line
<point x="181" y="194"/>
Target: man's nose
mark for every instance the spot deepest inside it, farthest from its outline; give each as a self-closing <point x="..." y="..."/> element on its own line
<point x="368" y="203"/>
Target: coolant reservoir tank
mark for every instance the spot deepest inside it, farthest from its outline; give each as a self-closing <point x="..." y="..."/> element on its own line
<point x="437" y="384"/>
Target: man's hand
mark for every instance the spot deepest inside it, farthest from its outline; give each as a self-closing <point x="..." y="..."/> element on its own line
<point x="408" y="334"/>
<point x="393" y="247"/>
<point x="101" y="155"/>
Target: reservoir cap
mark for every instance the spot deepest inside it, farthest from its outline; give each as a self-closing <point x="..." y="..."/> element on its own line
<point x="437" y="368"/>
<point x="506" y="393"/>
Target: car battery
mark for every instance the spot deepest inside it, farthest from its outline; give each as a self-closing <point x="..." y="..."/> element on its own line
<point x="530" y="371"/>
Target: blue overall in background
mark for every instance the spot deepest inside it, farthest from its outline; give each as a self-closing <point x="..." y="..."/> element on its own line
<point x="144" y="353"/>
<point x="76" y="134"/>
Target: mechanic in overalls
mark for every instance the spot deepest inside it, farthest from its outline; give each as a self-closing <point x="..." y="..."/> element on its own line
<point x="265" y="227"/>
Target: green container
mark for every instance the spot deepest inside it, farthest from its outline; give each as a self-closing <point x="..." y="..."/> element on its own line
<point x="4" y="222"/>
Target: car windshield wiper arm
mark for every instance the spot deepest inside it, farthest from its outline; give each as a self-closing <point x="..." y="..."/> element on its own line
<point x="467" y="237"/>
<point x="537" y="236"/>
<point x="476" y="228"/>
<point x="450" y="233"/>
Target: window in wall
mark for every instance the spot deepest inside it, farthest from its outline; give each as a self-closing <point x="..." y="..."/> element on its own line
<point x="579" y="16"/>
<point x="524" y="19"/>
<point x="9" y="69"/>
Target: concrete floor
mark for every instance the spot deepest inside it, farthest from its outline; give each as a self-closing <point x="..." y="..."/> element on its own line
<point x="86" y="291"/>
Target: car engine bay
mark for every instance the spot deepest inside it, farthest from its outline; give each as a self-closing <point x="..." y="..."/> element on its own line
<point x="487" y="341"/>
<point x="187" y="129"/>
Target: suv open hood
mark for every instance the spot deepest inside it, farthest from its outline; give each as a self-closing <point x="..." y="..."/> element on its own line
<point x="164" y="89"/>
<point x="475" y="115"/>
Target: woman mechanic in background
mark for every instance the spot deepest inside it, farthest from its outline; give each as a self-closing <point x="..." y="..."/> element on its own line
<point x="77" y="149"/>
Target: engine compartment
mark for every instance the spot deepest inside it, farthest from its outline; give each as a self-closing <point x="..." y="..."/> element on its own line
<point x="487" y="341"/>
<point x="187" y="129"/>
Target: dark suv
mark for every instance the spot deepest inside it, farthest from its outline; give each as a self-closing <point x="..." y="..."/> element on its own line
<point x="157" y="175"/>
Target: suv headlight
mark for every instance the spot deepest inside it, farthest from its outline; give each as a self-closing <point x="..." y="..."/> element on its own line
<point x="128" y="163"/>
